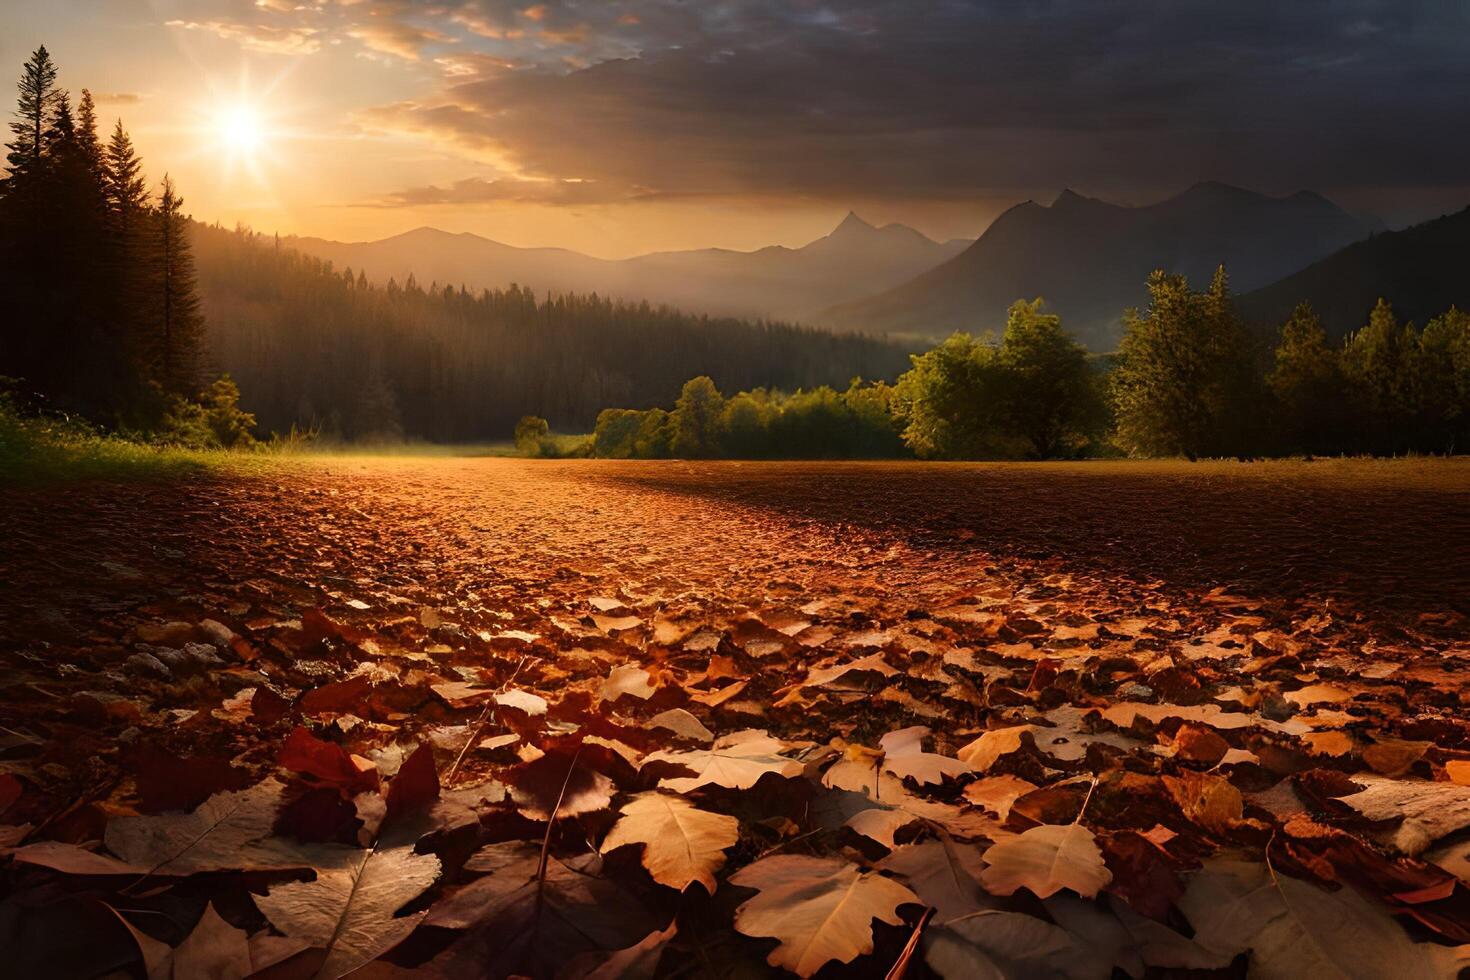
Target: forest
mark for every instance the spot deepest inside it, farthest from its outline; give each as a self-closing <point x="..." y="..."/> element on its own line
<point x="1190" y="379"/>
<point x="127" y="314"/>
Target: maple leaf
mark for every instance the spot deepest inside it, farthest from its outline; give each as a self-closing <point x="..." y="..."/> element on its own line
<point x="682" y="844"/>
<point x="821" y="909"/>
<point x="1296" y="929"/>
<point x="904" y="756"/>
<point x="1045" y="860"/>
<point x="228" y="831"/>
<point x="534" y="920"/>
<point x="1213" y="802"/>
<point x="880" y="824"/>
<point x="735" y="761"/>
<point x="350" y="909"/>
<point x="944" y="875"/>
<point x="308" y="755"/>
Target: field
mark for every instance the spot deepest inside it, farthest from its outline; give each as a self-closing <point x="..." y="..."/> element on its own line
<point x="1149" y="689"/>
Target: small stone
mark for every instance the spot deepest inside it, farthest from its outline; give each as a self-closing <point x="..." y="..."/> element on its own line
<point x="203" y="655"/>
<point x="149" y="665"/>
<point x="217" y="633"/>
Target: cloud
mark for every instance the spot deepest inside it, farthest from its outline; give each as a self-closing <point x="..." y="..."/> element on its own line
<point x="397" y="38"/>
<point x="945" y="99"/>
<point x="116" y="98"/>
<point x="479" y="190"/>
<point x="265" y="38"/>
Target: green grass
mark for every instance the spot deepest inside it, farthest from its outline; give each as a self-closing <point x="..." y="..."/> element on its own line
<point x="50" y="450"/>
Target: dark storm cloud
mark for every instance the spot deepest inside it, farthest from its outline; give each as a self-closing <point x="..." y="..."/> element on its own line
<point x="938" y="98"/>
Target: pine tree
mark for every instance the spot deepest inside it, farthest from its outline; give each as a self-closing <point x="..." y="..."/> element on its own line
<point x="38" y="96"/>
<point x="127" y="188"/>
<point x="87" y="139"/>
<point x="180" y="324"/>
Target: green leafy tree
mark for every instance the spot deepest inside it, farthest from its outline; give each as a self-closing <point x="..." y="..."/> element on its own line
<point x="1047" y="391"/>
<point x="1183" y="384"/>
<point x="697" y="419"/>
<point x="950" y="401"/>
<point x="613" y="436"/>
<point x="655" y="438"/>
<point x="531" y="431"/>
<point x="1307" y="381"/>
<point x="1380" y="361"/>
<point x="1445" y="382"/>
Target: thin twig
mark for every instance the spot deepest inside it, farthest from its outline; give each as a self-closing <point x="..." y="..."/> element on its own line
<point x="901" y="965"/>
<point x="480" y="725"/>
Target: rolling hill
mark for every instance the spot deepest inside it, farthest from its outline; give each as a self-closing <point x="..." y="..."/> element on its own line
<point x="1422" y="271"/>
<point x="1090" y="259"/>
<point x="775" y="282"/>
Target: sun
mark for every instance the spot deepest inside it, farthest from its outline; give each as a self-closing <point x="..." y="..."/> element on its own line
<point x="241" y="130"/>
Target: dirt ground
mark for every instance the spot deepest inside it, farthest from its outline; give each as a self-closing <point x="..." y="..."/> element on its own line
<point x="1321" y="598"/>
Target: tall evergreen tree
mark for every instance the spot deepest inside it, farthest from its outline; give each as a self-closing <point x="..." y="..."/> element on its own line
<point x="38" y="96"/>
<point x="87" y="140"/>
<point x="181" y="324"/>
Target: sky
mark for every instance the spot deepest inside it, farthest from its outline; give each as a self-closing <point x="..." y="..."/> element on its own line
<point x="616" y="127"/>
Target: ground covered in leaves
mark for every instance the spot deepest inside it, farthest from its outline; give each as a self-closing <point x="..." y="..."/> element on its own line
<point x="468" y="718"/>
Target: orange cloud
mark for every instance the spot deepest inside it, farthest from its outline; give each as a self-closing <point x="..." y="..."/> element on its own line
<point x="258" y="37"/>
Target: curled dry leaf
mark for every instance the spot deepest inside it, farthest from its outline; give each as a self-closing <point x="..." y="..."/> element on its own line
<point x="627" y="680"/>
<point x="821" y="909"/>
<point x="736" y="761"/>
<point x="997" y="793"/>
<point x="682" y="724"/>
<point x="1425" y="811"/>
<point x="879" y="824"/>
<point x="1045" y="860"/>
<point x="350" y="910"/>
<point x="681" y="843"/>
<point x="982" y="753"/>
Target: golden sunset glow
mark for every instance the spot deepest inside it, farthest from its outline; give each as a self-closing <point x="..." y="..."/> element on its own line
<point x="241" y="130"/>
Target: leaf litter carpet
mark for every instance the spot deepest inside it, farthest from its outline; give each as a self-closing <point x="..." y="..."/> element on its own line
<point x="468" y="718"/>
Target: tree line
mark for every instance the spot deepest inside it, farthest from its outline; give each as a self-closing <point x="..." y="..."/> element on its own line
<point x="1189" y="379"/>
<point x="324" y="349"/>
<point x="103" y="316"/>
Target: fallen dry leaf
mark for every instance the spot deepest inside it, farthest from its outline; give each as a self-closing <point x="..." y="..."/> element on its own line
<point x="821" y="909"/>
<point x="1045" y="860"/>
<point x="682" y="844"/>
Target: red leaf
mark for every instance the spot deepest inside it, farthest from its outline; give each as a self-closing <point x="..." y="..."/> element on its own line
<point x="417" y="782"/>
<point x="308" y="755"/>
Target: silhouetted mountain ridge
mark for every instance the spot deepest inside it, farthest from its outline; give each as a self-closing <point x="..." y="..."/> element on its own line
<point x="776" y="281"/>
<point x="1422" y="271"/>
<point x="1089" y="259"/>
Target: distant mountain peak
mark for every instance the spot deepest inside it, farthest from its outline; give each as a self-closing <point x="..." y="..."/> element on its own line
<point x="1069" y="198"/>
<point x="853" y="225"/>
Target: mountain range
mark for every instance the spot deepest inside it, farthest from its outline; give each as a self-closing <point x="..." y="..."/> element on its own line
<point x="854" y="260"/>
<point x="1089" y="259"/>
<point x="1422" y="271"/>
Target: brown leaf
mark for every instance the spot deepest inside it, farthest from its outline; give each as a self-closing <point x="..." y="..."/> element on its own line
<point x="171" y="782"/>
<point x="904" y="756"/>
<point x="734" y="761"/>
<point x="308" y="755"/>
<point x="560" y="775"/>
<point x="1045" y="860"/>
<point x="821" y="909"/>
<point x="682" y="844"/>
<point x="416" y="785"/>
<point x="350" y="910"/>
